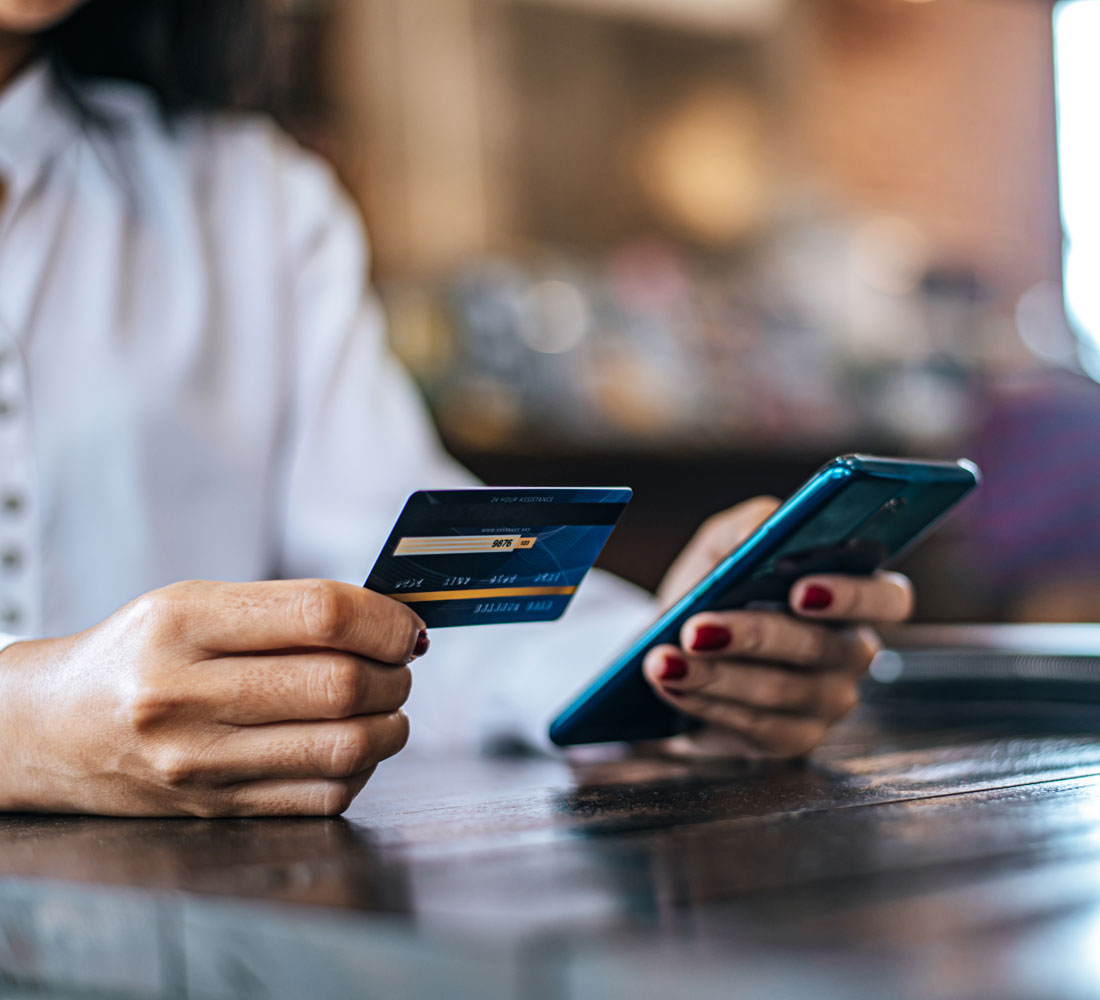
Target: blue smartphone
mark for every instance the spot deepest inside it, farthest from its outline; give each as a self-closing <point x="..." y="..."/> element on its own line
<point x="854" y="515"/>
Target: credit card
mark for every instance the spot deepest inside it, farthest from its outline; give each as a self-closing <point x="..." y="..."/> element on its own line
<point x="494" y="556"/>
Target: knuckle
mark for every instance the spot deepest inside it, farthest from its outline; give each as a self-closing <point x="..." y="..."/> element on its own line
<point x="802" y="740"/>
<point x="871" y="642"/>
<point x="906" y="595"/>
<point x="702" y="678"/>
<point x="394" y="629"/>
<point x="399" y="632"/>
<point x="777" y="691"/>
<point x="404" y="685"/>
<point x="817" y="644"/>
<point x="149" y="706"/>
<point x="868" y="647"/>
<point x="815" y="733"/>
<point x="699" y="708"/>
<point x="341" y="687"/>
<point x="334" y="798"/>
<point x="751" y="636"/>
<point x="849" y="599"/>
<point x="769" y="732"/>
<point x="401" y="737"/>
<point x="410" y="631"/>
<point x="782" y="737"/>
<point x="348" y="752"/>
<point x="847" y="699"/>
<point x="174" y="767"/>
<point x="160" y="614"/>
<point x="752" y="723"/>
<point x="205" y="808"/>
<point x="323" y="611"/>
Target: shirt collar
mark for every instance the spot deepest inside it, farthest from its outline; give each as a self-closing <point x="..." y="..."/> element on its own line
<point x="35" y="122"/>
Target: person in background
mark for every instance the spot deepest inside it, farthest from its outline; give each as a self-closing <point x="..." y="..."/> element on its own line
<point x="194" y="386"/>
<point x="1022" y="541"/>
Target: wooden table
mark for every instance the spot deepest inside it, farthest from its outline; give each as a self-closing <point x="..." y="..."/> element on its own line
<point x="918" y="854"/>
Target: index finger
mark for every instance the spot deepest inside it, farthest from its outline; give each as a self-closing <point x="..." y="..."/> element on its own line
<point x="296" y="614"/>
<point x="883" y="597"/>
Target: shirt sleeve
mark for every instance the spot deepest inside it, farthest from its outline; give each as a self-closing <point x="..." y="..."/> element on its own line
<point x="9" y="640"/>
<point x="359" y="442"/>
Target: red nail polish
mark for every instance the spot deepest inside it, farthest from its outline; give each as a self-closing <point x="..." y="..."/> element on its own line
<point x="676" y="668"/>
<point x="422" y="643"/>
<point x="711" y="637"/>
<point x="816" y="598"/>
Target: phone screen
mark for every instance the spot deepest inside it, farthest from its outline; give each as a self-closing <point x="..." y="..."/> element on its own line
<point x="868" y="522"/>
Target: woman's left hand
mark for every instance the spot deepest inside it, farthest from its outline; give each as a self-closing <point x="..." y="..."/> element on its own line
<point x="769" y="684"/>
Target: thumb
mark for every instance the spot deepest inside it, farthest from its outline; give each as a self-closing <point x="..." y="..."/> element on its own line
<point x="716" y="538"/>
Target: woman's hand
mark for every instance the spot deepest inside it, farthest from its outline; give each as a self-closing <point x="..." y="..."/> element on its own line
<point x="769" y="685"/>
<point x="211" y="699"/>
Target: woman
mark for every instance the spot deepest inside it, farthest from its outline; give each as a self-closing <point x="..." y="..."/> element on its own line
<point x="194" y="385"/>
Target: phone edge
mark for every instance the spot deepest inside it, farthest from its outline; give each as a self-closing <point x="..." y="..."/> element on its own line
<point x="827" y="480"/>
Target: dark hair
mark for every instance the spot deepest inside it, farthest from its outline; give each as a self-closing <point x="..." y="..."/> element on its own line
<point x="194" y="55"/>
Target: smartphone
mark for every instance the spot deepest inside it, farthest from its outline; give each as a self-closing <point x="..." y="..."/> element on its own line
<point x="857" y="513"/>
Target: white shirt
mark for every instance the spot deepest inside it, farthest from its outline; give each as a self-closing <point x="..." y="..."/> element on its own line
<point x="194" y="384"/>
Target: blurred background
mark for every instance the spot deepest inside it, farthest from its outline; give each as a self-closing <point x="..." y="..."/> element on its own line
<point x="698" y="247"/>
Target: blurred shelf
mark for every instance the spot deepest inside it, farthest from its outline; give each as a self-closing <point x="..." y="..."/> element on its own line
<point x="730" y="17"/>
<point x="534" y="452"/>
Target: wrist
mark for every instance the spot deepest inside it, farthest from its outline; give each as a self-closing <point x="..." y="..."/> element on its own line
<point x="25" y="671"/>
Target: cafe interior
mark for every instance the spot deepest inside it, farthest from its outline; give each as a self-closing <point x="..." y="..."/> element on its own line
<point x="696" y="248"/>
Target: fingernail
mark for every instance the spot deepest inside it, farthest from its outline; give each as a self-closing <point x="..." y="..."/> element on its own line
<point x="711" y="637"/>
<point x="422" y="643"/>
<point x="816" y="598"/>
<point x="676" y="668"/>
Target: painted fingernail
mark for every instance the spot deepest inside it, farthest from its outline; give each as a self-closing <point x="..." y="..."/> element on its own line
<point x="711" y="637"/>
<point x="675" y="669"/>
<point x="816" y="598"/>
<point x="422" y="643"/>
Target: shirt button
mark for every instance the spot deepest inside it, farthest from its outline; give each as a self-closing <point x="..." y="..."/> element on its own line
<point x="11" y="559"/>
<point x="12" y="503"/>
<point x="10" y="617"/>
<point x="7" y="408"/>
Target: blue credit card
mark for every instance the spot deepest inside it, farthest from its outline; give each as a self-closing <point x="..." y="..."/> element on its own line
<point x="493" y="556"/>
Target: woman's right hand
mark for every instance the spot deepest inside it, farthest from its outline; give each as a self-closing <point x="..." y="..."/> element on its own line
<point x="210" y="699"/>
